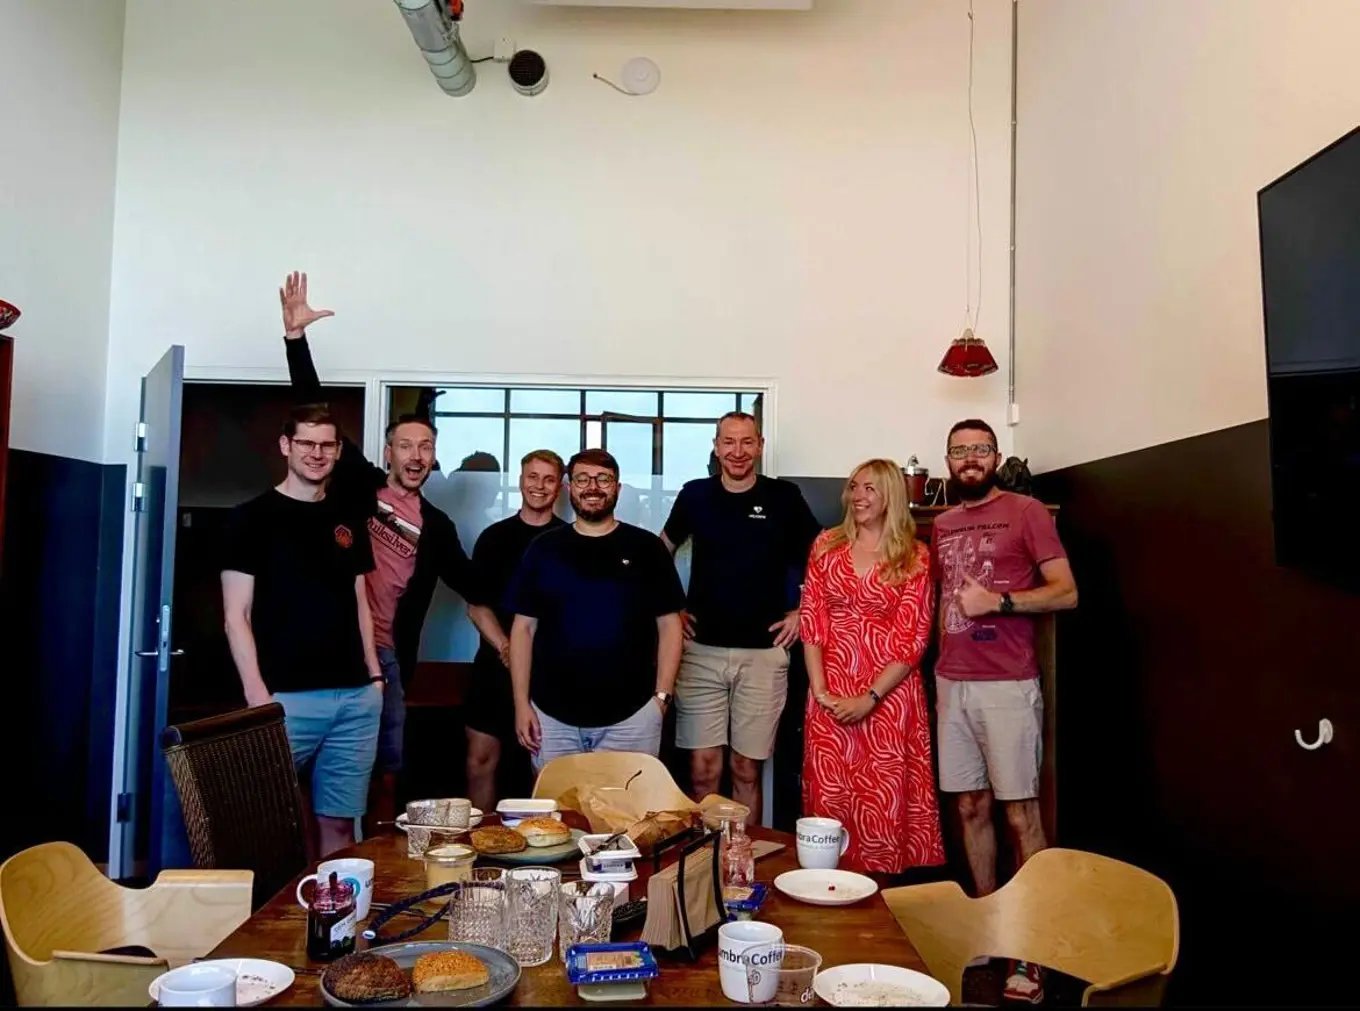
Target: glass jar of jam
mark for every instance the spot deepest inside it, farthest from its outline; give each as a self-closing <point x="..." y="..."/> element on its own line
<point x="331" y="921"/>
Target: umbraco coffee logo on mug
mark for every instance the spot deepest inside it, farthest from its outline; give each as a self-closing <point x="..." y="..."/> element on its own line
<point x="821" y="842"/>
<point x="733" y="941"/>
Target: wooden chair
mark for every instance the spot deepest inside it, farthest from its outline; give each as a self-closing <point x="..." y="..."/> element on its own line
<point x="1103" y="921"/>
<point x="59" y="913"/>
<point x="641" y="775"/>
<point x="239" y="790"/>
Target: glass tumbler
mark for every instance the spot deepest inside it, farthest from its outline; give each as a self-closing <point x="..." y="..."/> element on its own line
<point x="533" y="912"/>
<point x="585" y="916"/>
<point x="479" y="913"/>
<point x="781" y="974"/>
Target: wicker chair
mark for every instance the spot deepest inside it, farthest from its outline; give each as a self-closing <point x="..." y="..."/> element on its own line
<point x="239" y="791"/>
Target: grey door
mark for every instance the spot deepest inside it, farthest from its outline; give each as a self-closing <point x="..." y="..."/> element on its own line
<point x="149" y="826"/>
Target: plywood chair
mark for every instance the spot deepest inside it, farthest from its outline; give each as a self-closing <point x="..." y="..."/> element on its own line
<point x="643" y="777"/>
<point x="59" y="912"/>
<point x="1101" y="920"/>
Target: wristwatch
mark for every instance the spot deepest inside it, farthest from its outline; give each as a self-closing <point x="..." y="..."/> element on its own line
<point x="875" y="696"/>
<point x="664" y="698"/>
<point x="1007" y="604"/>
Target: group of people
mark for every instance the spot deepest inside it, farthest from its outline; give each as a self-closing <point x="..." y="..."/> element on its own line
<point x="588" y="637"/>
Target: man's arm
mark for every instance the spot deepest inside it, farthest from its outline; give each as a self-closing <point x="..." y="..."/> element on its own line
<point x="484" y="619"/>
<point x="366" y="631"/>
<point x="1058" y="593"/>
<point x="521" y="662"/>
<point x="670" y="641"/>
<point x="238" y="595"/>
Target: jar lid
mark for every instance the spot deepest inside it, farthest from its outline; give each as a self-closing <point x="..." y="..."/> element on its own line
<point x="450" y="851"/>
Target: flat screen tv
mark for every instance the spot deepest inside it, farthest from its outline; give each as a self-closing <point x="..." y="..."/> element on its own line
<point x="1310" y="273"/>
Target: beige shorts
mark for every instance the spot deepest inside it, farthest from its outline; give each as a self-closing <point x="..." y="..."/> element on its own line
<point x="991" y="736"/>
<point x="730" y="696"/>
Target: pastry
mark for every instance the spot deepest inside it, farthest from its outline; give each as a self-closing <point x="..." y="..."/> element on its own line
<point x="448" y="970"/>
<point x="363" y="978"/>
<point x="497" y="839"/>
<point x="540" y="832"/>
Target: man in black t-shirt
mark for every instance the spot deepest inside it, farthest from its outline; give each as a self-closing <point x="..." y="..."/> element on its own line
<point x="751" y="535"/>
<point x="490" y="702"/>
<point x="299" y="626"/>
<point x="596" y="639"/>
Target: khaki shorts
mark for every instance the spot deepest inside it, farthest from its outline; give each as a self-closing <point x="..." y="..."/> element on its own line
<point x="991" y="736"/>
<point x="730" y="696"/>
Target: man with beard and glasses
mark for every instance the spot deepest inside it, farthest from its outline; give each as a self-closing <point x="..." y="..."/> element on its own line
<point x="751" y="536"/>
<point x="298" y="621"/>
<point x="1000" y="562"/>
<point x="415" y="544"/>
<point x="596" y="639"/>
<point x="490" y="704"/>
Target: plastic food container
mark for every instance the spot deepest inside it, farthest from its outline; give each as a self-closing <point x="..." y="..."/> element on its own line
<point x="608" y="972"/>
<point x="514" y="811"/>
<point x="618" y="858"/>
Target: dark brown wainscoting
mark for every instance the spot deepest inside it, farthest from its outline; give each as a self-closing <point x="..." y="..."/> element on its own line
<point x="1186" y="669"/>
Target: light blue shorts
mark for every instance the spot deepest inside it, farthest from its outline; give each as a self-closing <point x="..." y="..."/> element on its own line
<point x="334" y="731"/>
<point x="640" y="732"/>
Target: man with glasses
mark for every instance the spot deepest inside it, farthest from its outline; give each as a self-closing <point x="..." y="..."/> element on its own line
<point x="596" y="639"/>
<point x="415" y="544"/>
<point x="298" y="621"/>
<point x="1000" y="562"/>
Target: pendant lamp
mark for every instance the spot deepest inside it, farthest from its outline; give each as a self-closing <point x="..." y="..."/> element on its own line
<point x="967" y="357"/>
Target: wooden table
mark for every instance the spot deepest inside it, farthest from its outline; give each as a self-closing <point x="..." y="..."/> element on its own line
<point x="865" y="932"/>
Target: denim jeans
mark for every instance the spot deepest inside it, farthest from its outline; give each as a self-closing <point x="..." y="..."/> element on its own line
<point x="640" y="732"/>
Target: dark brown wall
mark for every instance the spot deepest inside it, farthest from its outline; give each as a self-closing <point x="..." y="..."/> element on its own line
<point x="1185" y="671"/>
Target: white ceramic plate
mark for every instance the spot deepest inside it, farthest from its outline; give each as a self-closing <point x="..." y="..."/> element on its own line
<point x="826" y="888"/>
<point x="256" y="980"/>
<point x="474" y="819"/>
<point x="866" y="985"/>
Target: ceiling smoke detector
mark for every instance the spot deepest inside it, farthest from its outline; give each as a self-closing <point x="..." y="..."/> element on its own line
<point x="528" y="72"/>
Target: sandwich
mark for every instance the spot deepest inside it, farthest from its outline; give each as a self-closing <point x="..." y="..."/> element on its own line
<point x="494" y="839"/>
<point x="362" y="978"/>
<point x="448" y="970"/>
<point x="539" y="832"/>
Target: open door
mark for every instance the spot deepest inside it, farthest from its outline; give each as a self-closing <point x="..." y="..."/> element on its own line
<point x="149" y="827"/>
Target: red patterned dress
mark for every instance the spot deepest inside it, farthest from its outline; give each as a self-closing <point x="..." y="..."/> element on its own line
<point x="875" y="776"/>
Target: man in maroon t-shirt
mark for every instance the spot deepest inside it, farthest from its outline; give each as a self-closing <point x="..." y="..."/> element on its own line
<point x="1000" y="562"/>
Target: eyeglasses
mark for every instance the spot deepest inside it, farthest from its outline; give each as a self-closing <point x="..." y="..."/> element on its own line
<point x="981" y="450"/>
<point x="310" y="446"/>
<point x="602" y="481"/>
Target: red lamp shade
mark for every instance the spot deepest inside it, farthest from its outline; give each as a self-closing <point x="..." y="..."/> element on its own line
<point x="967" y="356"/>
<point x="8" y="313"/>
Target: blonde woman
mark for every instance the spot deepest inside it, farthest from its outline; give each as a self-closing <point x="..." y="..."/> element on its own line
<point x="866" y="616"/>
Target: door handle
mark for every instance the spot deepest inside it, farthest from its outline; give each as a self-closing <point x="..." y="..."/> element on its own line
<point x="152" y="652"/>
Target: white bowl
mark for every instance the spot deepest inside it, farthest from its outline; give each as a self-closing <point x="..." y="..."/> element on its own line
<point x="867" y="985"/>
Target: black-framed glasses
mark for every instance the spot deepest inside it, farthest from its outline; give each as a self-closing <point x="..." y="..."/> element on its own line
<point x="310" y="446"/>
<point x="982" y="450"/>
<point x="602" y="481"/>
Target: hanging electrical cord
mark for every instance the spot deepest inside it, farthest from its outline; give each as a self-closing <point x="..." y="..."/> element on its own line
<point x="972" y="310"/>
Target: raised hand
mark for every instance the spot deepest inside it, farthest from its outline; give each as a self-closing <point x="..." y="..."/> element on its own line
<point x="297" y="314"/>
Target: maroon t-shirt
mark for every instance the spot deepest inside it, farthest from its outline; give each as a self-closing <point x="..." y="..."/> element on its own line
<point x="1001" y="543"/>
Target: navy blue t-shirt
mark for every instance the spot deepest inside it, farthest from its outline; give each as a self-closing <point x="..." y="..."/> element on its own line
<point x="596" y="600"/>
<point x="750" y="552"/>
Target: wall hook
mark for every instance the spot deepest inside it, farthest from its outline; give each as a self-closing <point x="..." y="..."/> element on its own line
<point x="1324" y="736"/>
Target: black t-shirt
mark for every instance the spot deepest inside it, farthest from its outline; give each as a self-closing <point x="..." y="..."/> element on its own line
<point x="750" y="551"/>
<point x="596" y="600"/>
<point x="305" y="615"/>
<point x="495" y="559"/>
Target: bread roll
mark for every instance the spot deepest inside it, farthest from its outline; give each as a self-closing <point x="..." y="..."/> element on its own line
<point x="540" y="832"/>
<point x="448" y="970"/>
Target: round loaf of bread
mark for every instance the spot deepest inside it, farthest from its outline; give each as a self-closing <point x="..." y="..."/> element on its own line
<point x="494" y="839"/>
<point x="539" y="832"/>
<point x="448" y="970"/>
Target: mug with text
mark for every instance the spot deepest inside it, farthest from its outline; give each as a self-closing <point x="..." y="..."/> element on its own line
<point x="357" y="871"/>
<point x="734" y="939"/>
<point x="821" y="842"/>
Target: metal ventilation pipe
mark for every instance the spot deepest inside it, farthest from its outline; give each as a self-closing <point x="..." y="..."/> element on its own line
<point x="437" y="36"/>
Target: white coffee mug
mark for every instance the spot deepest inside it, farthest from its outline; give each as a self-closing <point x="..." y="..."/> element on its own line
<point x="197" y="986"/>
<point x="733" y="940"/>
<point x="821" y="842"/>
<point x="357" y="871"/>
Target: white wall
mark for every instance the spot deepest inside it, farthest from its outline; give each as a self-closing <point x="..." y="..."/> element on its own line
<point x="1146" y="129"/>
<point x="59" y="85"/>
<point x="791" y="204"/>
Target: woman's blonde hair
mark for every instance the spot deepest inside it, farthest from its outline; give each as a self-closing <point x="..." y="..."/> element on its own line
<point x="897" y="555"/>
